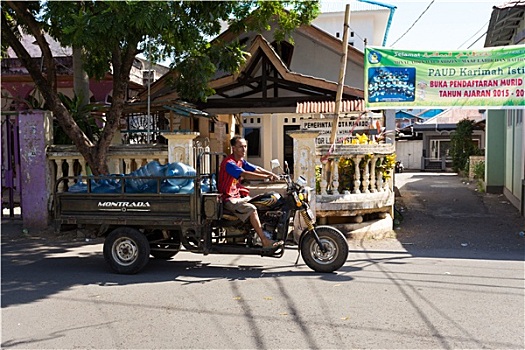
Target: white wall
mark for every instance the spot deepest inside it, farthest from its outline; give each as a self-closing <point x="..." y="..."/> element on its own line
<point x="369" y="25"/>
<point x="272" y="142"/>
<point x="410" y="153"/>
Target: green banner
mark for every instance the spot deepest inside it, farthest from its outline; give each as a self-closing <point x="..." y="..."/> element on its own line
<point x="489" y="78"/>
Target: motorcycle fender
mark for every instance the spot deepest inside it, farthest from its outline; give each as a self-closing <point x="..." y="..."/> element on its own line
<point x="300" y="239"/>
<point x="317" y="227"/>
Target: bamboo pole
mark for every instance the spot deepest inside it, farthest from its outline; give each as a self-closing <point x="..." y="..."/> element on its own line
<point x="338" y="98"/>
<point x="342" y="72"/>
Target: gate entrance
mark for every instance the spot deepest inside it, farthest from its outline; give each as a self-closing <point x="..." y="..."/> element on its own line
<point x="10" y="165"/>
<point x="288" y="145"/>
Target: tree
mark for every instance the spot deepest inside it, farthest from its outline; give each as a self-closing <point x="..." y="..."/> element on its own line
<point x="462" y="146"/>
<point x="110" y="34"/>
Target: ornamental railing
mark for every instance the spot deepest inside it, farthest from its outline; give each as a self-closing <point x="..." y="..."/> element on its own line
<point x="352" y="180"/>
<point x="355" y="169"/>
<point x="65" y="160"/>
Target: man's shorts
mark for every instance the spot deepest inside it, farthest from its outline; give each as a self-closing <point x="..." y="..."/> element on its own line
<point x="240" y="207"/>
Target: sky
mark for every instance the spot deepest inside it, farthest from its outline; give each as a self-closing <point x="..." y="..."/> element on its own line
<point x="432" y="24"/>
<point x="446" y="25"/>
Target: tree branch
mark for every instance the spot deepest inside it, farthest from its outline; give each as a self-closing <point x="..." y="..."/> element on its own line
<point x="34" y="70"/>
<point x="36" y="30"/>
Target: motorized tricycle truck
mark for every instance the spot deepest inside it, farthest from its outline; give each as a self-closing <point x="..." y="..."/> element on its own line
<point x="183" y="211"/>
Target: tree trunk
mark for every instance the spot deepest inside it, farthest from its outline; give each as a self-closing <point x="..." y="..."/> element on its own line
<point x="81" y="89"/>
<point x="80" y="77"/>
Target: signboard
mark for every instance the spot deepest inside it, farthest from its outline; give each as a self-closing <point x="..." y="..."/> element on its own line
<point x="345" y="127"/>
<point x="485" y="78"/>
<point x="220" y="131"/>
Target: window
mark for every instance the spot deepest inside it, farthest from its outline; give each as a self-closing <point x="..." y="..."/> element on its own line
<point x="284" y="50"/>
<point x="147" y="77"/>
<point x="253" y="137"/>
<point x="439" y="149"/>
<point x="195" y="124"/>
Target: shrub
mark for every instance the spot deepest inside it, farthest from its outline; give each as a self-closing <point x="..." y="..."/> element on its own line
<point x="462" y="146"/>
<point x="479" y="170"/>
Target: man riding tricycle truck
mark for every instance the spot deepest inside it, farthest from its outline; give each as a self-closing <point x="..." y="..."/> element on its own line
<point x="159" y="215"/>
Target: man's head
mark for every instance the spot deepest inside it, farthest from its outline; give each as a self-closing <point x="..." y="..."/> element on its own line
<point x="239" y="147"/>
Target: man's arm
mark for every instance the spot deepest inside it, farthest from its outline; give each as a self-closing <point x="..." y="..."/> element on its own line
<point x="259" y="174"/>
<point x="248" y="171"/>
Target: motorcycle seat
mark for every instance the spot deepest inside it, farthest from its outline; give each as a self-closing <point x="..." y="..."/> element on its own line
<point x="228" y="215"/>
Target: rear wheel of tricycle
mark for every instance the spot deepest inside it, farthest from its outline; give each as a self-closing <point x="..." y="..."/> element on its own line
<point x="335" y="254"/>
<point x="126" y="250"/>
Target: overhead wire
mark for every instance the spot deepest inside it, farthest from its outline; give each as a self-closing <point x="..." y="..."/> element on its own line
<point x="479" y="30"/>
<point x="481" y="36"/>
<point x="413" y="24"/>
<point x="357" y="34"/>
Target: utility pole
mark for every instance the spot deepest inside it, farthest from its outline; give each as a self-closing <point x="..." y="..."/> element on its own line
<point x="149" y="93"/>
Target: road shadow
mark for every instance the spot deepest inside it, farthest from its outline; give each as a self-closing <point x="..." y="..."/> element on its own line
<point x="33" y="269"/>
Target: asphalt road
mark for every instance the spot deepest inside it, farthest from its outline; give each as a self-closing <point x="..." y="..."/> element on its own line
<point x="404" y="293"/>
<point x="443" y="211"/>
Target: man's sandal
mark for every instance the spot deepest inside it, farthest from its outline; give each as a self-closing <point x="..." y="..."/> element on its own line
<point x="274" y="245"/>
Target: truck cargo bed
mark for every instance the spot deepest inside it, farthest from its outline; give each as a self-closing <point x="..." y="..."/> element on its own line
<point x="129" y="209"/>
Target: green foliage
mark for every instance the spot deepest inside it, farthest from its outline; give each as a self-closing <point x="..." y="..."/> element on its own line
<point x="318" y="177"/>
<point x="112" y="33"/>
<point x="462" y="146"/>
<point x="109" y="31"/>
<point x="480" y="187"/>
<point x="176" y="30"/>
<point x="89" y="122"/>
<point x="346" y="173"/>
<point x="386" y="166"/>
<point x="479" y="170"/>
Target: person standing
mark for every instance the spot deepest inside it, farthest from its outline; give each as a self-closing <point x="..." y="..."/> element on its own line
<point x="235" y="196"/>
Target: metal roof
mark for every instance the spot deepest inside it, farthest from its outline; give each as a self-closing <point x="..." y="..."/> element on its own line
<point x="504" y="21"/>
<point x="186" y="111"/>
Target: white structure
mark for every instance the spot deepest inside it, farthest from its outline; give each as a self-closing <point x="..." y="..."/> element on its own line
<point x="369" y="21"/>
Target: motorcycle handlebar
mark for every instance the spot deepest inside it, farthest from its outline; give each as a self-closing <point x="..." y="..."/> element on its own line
<point x="288" y="179"/>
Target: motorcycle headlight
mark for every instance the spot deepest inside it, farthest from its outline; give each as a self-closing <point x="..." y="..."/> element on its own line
<point x="301" y="181"/>
<point x="304" y="195"/>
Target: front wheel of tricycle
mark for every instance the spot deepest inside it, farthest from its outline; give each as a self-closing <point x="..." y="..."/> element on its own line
<point x="335" y="249"/>
<point x="126" y="250"/>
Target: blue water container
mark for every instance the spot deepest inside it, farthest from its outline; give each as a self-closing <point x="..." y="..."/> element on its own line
<point x="145" y="184"/>
<point x="180" y="169"/>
